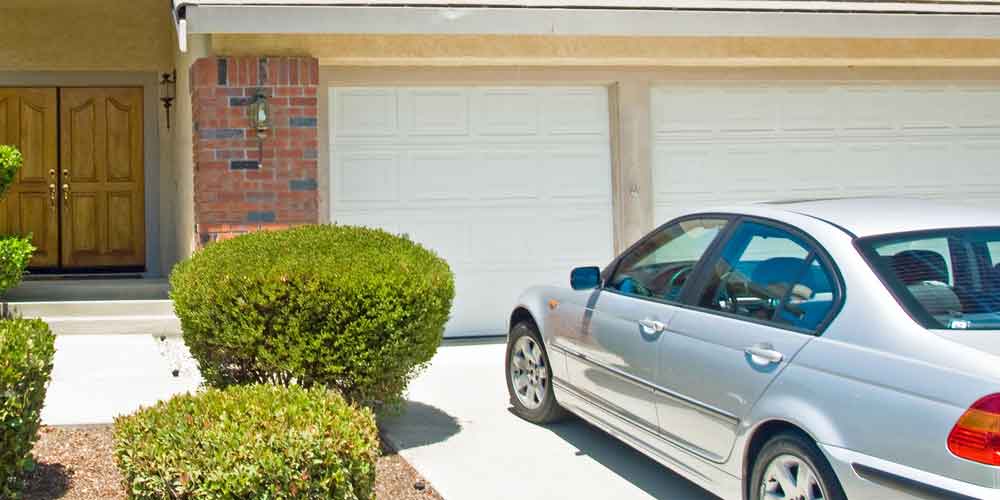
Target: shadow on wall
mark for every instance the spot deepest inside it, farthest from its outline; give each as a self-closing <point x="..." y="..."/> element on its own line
<point x="636" y="468"/>
<point x="418" y="425"/>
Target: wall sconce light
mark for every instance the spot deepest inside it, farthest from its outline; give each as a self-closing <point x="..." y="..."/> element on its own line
<point x="260" y="121"/>
<point x="168" y="89"/>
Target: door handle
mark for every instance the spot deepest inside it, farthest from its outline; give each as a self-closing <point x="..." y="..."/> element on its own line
<point x="65" y="190"/>
<point x="52" y="196"/>
<point x="764" y="354"/>
<point x="652" y="326"/>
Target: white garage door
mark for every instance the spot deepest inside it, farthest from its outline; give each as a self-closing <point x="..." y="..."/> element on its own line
<point x="717" y="144"/>
<point x="512" y="186"/>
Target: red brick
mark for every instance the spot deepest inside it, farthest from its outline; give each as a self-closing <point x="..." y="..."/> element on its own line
<point x="221" y="205"/>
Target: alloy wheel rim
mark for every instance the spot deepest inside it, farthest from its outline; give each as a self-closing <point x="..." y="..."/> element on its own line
<point x="788" y="477"/>
<point x="529" y="375"/>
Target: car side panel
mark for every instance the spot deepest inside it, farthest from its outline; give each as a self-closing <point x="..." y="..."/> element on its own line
<point x="829" y="392"/>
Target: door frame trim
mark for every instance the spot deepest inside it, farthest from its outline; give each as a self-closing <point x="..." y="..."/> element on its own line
<point x="149" y="83"/>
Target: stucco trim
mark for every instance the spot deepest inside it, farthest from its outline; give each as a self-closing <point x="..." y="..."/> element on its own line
<point x="151" y="135"/>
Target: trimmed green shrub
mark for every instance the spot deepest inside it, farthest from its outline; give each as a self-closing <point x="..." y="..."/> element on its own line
<point x="10" y="163"/>
<point x="257" y="441"/>
<point x="15" y="253"/>
<point x="355" y="309"/>
<point x="26" y="350"/>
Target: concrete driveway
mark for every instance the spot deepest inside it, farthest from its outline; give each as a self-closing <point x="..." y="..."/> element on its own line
<point x="459" y="433"/>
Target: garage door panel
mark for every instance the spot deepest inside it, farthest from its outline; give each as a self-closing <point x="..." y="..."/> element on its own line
<point x="511" y="185"/>
<point x="506" y="175"/>
<point x="829" y="140"/>
<point x="437" y="175"/>
<point x="573" y="173"/>
<point x="577" y="243"/>
<point x="436" y="111"/>
<point x="366" y="177"/>
<point x="364" y="112"/>
<point x="577" y="112"/>
<point x="507" y="111"/>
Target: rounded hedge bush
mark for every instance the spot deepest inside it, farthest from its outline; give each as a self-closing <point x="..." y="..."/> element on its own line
<point x="354" y="309"/>
<point x="26" y="350"/>
<point x="257" y="441"/>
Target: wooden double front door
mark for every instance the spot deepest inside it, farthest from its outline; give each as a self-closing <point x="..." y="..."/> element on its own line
<point x="80" y="191"/>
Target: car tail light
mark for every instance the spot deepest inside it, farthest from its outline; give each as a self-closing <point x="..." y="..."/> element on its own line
<point x="976" y="436"/>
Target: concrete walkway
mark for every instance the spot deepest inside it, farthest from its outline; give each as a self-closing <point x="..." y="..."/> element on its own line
<point x="459" y="434"/>
<point x="457" y="431"/>
<point x="96" y="377"/>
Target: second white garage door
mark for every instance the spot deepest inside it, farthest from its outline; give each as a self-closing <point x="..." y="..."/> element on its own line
<point x="719" y="143"/>
<point x="512" y="186"/>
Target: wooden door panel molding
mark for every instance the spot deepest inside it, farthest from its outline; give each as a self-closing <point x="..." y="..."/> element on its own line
<point x="102" y="153"/>
<point x="29" y="121"/>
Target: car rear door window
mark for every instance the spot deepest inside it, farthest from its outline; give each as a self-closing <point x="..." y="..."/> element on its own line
<point x="659" y="266"/>
<point x="768" y="274"/>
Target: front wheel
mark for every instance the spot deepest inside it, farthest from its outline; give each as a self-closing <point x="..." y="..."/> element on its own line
<point x="791" y="467"/>
<point x="529" y="376"/>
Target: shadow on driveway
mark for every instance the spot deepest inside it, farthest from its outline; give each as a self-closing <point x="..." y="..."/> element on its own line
<point x="632" y="466"/>
<point x="418" y="425"/>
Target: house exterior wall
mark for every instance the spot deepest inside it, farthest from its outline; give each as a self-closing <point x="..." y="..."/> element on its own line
<point x="508" y="50"/>
<point x="86" y="35"/>
<point x="235" y="190"/>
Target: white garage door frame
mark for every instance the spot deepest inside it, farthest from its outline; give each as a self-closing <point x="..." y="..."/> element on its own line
<point x="439" y="140"/>
<point x="847" y="138"/>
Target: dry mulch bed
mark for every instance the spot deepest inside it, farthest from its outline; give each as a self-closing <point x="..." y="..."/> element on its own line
<point x="77" y="464"/>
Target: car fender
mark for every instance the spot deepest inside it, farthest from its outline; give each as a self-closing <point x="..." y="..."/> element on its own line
<point x="534" y="302"/>
<point x="790" y="408"/>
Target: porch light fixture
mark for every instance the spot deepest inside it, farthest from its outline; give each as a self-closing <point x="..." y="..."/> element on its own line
<point x="168" y="89"/>
<point x="260" y="121"/>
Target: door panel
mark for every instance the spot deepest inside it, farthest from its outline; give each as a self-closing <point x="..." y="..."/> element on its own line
<point x="617" y="351"/>
<point x="764" y="296"/>
<point x="703" y="360"/>
<point x="620" y="357"/>
<point x="28" y="120"/>
<point x="102" y="178"/>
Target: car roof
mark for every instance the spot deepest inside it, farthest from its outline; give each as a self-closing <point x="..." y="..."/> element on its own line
<point x="871" y="216"/>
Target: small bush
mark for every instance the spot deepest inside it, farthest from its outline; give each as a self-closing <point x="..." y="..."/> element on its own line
<point x="10" y="163"/>
<point x="15" y="254"/>
<point x="355" y="309"/>
<point x="26" y="351"/>
<point x="258" y="441"/>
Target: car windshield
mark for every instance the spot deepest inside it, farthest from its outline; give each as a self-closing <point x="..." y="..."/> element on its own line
<point x="945" y="279"/>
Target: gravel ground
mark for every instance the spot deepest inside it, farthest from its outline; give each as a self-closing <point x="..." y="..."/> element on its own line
<point x="77" y="464"/>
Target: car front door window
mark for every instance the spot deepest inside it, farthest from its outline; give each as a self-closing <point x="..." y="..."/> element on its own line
<point x="770" y="275"/>
<point x="660" y="266"/>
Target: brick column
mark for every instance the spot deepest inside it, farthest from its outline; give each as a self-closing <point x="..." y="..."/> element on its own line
<point x="235" y="191"/>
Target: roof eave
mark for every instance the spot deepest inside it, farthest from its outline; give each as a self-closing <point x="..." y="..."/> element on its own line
<point x="645" y="18"/>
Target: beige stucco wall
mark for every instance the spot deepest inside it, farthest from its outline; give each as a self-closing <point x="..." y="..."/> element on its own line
<point x="181" y="176"/>
<point x="91" y="35"/>
<point x="465" y="50"/>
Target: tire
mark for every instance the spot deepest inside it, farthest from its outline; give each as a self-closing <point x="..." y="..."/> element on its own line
<point x="783" y="451"/>
<point x="539" y="407"/>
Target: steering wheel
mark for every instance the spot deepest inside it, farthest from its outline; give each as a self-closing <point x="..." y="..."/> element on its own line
<point x="723" y="298"/>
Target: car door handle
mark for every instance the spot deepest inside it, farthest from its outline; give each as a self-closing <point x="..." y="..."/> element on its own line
<point x="652" y="326"/>
<point x="764" y="354"/>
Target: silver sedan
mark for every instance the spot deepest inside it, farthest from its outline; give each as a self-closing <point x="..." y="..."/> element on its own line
<point x="824" y="349"/>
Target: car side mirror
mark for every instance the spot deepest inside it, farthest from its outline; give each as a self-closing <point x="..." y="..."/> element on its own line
<point x="585" y="278"/>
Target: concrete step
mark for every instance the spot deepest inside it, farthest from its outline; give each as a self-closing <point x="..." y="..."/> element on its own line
<point x="90" y="308"/>
<point x="48" y="289"/>
<point x="103" y="317"/>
